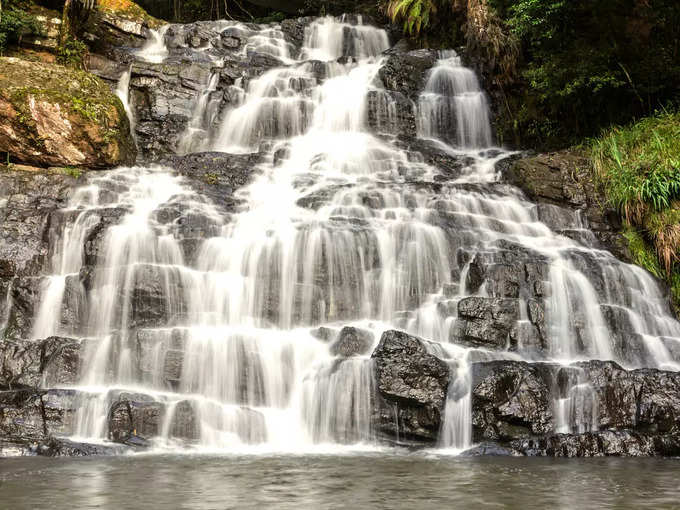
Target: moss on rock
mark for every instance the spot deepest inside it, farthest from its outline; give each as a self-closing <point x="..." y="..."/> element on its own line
<point x="129" y="11"/>
<point x="54" y="116"/>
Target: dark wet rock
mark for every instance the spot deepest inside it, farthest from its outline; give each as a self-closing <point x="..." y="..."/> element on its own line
<point x="294" y="28"/>
<point x="635" y="412"/>
<point x="20" y="364"/>
<point x="511" y="400"/>
<point x="95" y="241"/>
<point x="26" y="200"/>
<point x="60" y="363"/>
<point x="406" y="72"/>
<point x="646" y="400"/>
<point x="21" y="415"/>
<point x="167" y="349"/>
<point x="137" y="419"/>
<point x="567" y="179"/>
<point x="60" y="408"/>
<point x="24" y="302"/>
<point x="510" y="271"/>
<point x="617" y="443"/>
<point x="352" y="341"/>
<point x="133" y="418"/>
<point x="216" y="175"/>
<point x="184" y="423"/>
<point x="485" y="322"/>
<point x="155" y="298"/>
<point x="30" y="363"/>
<point x="627" y="346"/>
<point x="412" y="387"/>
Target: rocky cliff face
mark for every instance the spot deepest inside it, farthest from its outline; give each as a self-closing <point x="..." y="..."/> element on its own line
<point x="495" y="304"/>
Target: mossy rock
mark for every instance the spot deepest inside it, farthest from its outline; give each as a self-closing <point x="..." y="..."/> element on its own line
<point x="54" y="116"/>
<point x="128" y="10"/>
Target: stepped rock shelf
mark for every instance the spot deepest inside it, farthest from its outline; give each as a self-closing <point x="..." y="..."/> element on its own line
<point x="317" y="252"/>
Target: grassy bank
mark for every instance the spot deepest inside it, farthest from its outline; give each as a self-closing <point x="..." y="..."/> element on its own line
<point x="639" y="168"/>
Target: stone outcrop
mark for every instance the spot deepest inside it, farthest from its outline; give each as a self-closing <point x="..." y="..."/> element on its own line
<point x="53" y="116"/>
<point x="567" y="179"/>
<point x="412" y="387"/>
<point x="625" y="413"/>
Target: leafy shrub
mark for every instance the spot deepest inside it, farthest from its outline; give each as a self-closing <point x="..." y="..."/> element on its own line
<point x="415" y="14"/>
<point x="15" y="25"/>
<point x="72" y="53"/>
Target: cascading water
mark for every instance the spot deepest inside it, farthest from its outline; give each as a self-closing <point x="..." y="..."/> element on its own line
<point x="155" y="50"/>
<point x="339" y="226"/>
<point x="123" y="93"/>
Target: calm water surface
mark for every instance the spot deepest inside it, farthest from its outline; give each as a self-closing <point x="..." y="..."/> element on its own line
<point x="364" y="481"/>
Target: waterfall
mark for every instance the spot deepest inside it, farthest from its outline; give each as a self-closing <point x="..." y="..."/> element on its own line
<point x="155" y="50"/>
<point x="576" y="405"/>
<point x="456" y="430"/>
<point x="196" y="136"/>
<point x="205" y="313"/>
<point x="123" y="93"/>
<point x="453" y="108"/>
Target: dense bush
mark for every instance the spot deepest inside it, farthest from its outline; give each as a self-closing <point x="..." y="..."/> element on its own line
<point x="590" y="64"/>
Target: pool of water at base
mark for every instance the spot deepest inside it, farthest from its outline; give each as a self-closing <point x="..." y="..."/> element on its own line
<point x="366" y="481"/>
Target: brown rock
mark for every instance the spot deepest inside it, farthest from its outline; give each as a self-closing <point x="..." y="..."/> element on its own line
<point x="54" y="116"/>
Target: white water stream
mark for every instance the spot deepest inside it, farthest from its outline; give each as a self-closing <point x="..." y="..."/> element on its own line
<point x="239" y="308"/>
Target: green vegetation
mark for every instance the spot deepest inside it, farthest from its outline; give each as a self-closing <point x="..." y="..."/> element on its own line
<point x="639" y="168"/>
<point x="640" y="165"/>
<point x="563" y="69"/>
<point x="15" y="24"/>
<point x="415" y="14"/>
<point x="129" y="10"/>
<point x="72" y="53"/>
<point x="74" y="172"/>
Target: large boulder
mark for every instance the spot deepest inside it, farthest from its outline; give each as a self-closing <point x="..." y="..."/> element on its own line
<point x="412" y="386"/>
<point x="511" y="400"/>
<point x="54" y="116"/>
